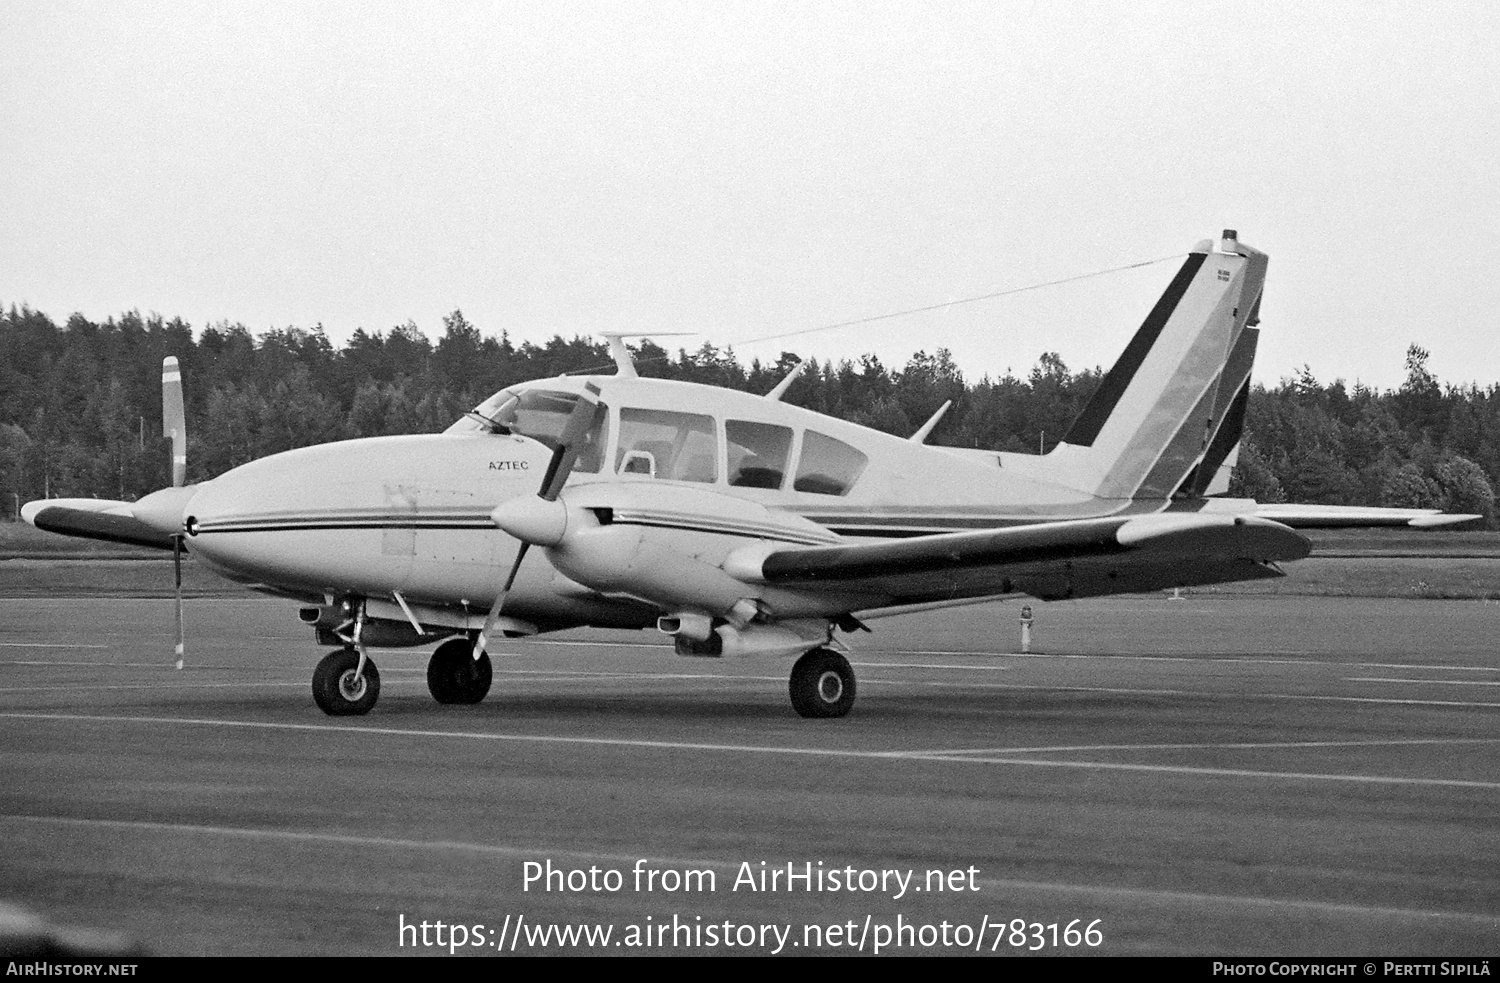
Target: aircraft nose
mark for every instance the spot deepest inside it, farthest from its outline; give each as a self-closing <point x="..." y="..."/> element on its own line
<point x="164" y="510"/>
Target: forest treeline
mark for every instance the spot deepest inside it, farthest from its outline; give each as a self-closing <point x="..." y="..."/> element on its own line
<point x="80" y="405"/>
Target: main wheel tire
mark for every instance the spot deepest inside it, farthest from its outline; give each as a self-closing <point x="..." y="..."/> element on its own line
<point x="338" y="692"/>
<point x="455" y="676"/>
<point x="822" y="684"/>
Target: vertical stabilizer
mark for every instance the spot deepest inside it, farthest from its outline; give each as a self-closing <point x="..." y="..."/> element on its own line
<point x="1169" y="413"/>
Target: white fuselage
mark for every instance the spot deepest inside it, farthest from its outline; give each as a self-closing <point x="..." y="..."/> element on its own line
<point x="411" y="514"/>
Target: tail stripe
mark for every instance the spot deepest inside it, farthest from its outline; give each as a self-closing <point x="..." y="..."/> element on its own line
<point x="1117" y="379"/>
<point x="1225" y="441"/>
<point x="1179" y="456"/>
<point x="1200" y="428"/>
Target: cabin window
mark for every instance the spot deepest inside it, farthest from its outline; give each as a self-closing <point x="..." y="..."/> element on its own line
<point x="540" y="414"/>
<point x="758" y="453"/>
<point x="828" y="466"/>
<point x="661" y="444"/>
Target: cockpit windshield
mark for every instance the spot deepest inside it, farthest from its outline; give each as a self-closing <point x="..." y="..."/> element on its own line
<point x="540" y="414"/>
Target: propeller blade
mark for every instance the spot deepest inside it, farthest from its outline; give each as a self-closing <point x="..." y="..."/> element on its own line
<point x="177" y="571"/>
<point x="173" y="418"/>
<point x="481" y="643"/>
<point x="583" y="418"/>
<point x="581" y="421"/>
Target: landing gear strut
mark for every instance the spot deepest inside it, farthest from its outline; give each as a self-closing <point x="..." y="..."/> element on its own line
<point x="822" y="684"/>
<point x="455" y="676"/>
<point x="340" y="689"/>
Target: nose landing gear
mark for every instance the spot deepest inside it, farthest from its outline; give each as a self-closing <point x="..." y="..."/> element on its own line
<point x="340" y="689"/>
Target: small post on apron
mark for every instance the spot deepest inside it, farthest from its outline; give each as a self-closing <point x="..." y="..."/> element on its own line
<point x="1026" y="629"/>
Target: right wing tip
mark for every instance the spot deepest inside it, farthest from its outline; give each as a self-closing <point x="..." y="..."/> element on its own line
<point x="1440" y="520"/>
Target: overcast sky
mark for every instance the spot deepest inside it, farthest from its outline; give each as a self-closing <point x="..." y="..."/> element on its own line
<point x="748" y="169"/>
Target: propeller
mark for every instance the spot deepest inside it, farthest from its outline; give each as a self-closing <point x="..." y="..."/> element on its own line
<point x="541" y="520"/>
<point x="173" y="418"/>
<point x="177" y="575"/>
<point x="174" y="423"/>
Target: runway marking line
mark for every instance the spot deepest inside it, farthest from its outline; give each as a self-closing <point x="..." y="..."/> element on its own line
<point x="535" y="676"/>
<point x="1112" y="656"/>
<point x="926" y="665"/>
<point x="1245" y="746"/>
<point x="1126" y="690"/>
<point x="616" y="674"/>
<point x="242" y="684"/>
<point x="301" y="684"/>
<point x="554" y="675"/>
<point x="1219" y="772"/>
<point x="557" y="676"/>
<point x="994" y="884"/>
<point x="1260" y="661"/>
<point x="1142" y="691"/>
<point x="1424" y="682"/>
<point x="47" y="645"/>
<point x="621" y="742"/>
<point x="126" y="665"/>
<point x="1266" y="659"/>
<point x="1403" y="665"/>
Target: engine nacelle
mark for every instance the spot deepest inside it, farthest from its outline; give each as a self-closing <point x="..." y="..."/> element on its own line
<point x="668" y="545"/>
<point x="618" y="559"/>
<point x="695" y="627"/>
<point x="782" y="638"/>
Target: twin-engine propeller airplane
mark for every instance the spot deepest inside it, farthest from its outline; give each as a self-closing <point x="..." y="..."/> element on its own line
<point x="736" y="523"/>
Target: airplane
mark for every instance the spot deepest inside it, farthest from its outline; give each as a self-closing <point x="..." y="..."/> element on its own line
<point x="736" y="523"/>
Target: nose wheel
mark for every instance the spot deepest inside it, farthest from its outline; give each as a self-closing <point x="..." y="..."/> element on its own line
<point x="340" y="689"/>
<point x="455" y="676"/>
<point x="822" y="684"/>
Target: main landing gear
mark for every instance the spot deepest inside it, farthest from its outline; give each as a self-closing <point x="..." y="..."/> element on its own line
<point x="455" y="676"/>
<point x="822" y="684"/>
<point x="340" y="688"/>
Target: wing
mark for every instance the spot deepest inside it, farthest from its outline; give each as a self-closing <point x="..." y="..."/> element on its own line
<point x="1082" y="558"/>
<point x="92" y="518"/>
<point x="1351" y="516"/>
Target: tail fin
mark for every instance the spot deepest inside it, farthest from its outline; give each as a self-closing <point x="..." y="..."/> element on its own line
<point x="1168" y="415"/>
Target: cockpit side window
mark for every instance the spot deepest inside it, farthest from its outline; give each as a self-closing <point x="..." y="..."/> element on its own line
<point x="541" y="415"/>
<point x="591" y="454"/>
<point x="758" y="453"/>
<point x="828" y="466"/>
<point x="662" y="444"/>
